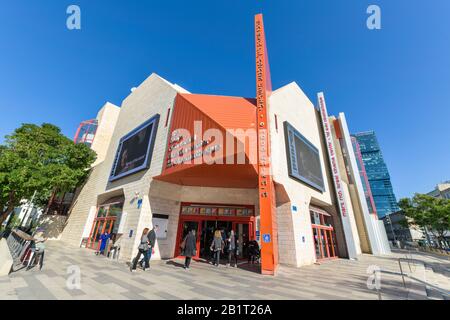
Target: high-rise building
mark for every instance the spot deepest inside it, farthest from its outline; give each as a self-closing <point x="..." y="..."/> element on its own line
<point x="377" y="173"/>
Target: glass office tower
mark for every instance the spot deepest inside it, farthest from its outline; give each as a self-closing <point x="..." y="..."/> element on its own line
<point x="377" y="173"/>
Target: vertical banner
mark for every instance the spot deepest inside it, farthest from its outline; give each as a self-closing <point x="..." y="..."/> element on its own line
<point x="342" y="204"/>
<point x="268" y="228"/>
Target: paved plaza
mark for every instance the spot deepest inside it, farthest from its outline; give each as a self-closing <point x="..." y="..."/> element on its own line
<point x="102" y="278"/>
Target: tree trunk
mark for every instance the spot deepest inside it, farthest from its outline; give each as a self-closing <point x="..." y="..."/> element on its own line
<point x="9" y="209"/>
<point x="50" y="201"/>
<point x="5" y="214"/>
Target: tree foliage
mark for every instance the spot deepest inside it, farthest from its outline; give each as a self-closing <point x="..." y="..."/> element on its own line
<point x="428" y="212"/>
<point x="39" y="158"/>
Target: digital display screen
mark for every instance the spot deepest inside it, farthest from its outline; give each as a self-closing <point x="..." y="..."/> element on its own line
<point x="303" y="158"/>
<point x="135" y="149"/>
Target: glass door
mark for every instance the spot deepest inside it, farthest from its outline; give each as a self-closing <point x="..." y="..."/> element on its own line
<point x="243" y="233"/>
<point x="324" y="243"/>
<point x="206" y="237"/>
<point x="186" y="228"/>
<point x="317" y="243"/>
<point x="104" y="222"/>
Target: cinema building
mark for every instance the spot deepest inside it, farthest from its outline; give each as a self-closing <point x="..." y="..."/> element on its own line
<point x="189" y="161"/>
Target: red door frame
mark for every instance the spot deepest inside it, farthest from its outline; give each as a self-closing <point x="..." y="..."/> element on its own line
<point x="103" y="220"/>
<point x="328" y="233"/>
<point x="250" y="220"/>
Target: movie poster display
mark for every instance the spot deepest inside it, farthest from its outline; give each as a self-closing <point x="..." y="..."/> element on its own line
<point x="135" y="149"/>
<point x="303" y="158"/>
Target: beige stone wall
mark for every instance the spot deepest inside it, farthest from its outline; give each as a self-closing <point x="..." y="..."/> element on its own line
<point x="78" y="215"/>
<point x="363" y="237"/>
<point x="289" y="103"/>
<point x="107" y="119"/>
<point x="153" y="96"/>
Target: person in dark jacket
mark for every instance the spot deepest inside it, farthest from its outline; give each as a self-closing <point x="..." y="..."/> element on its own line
<point x="253" y="251"/>
<point x="217" y="246"/>
<point x="143" y="249"/>
<point x="189" y="248"/>
<point x="232" y="247"/>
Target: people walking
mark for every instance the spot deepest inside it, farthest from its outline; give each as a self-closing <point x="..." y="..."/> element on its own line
<point x="151" y="245"/>
<point x="217" y="246"/>
<point x="143" y="250"/>
<point x="232" y="248"/>
<point x="189" y="248"/>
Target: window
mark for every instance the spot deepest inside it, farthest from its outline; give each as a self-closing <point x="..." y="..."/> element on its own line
<point x="303" y="159"/>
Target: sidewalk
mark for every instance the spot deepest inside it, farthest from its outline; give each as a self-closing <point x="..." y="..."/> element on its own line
<point x="105" y="279"/>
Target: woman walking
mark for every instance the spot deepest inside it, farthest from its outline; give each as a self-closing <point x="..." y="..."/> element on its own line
<point x="143" y="249"/>
<point x="189" y="248"/>
<point x="232" y="247"/>
<point x="217" y="246"/>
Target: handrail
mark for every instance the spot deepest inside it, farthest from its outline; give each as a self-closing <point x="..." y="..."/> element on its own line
<point x="18" y="242"/>
<point x="442" y="291"/>
<point x="23" y="235"/>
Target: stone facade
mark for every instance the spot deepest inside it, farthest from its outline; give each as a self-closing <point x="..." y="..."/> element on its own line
<point x="145" y="196"/>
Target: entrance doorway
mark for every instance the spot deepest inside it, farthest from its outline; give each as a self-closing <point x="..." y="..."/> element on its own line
<point x="105" y="221"/>
<point x="207" y="218"/>
<point x="323" y="235"/>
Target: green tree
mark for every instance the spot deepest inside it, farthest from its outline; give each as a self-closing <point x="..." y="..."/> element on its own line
<point x="41" y="159"/>
<point x="430" y="213"/>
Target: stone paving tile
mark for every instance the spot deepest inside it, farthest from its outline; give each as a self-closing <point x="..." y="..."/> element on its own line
<point x="167" y="296"/>
<point x="102" y="278"/>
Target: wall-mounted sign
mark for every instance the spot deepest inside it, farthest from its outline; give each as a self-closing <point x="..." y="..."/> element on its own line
<point x="162" y="221"/>
<point x="185" y="150"/>
<point x="342" y="205"/>
<point x="266" y="238"/>
<point x="212" y="210"/>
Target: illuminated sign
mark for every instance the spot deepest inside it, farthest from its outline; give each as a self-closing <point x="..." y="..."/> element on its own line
<point x="303" y="158"/>
<point x="135" y="149"/>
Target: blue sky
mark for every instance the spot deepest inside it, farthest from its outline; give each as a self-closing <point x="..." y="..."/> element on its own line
<point x="395" y="81"/>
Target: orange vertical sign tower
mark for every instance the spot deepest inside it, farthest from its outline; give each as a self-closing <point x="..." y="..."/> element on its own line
<point x="268" y="225"/>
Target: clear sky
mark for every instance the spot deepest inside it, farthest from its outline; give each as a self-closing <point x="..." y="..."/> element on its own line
<point x="395" y="81"/>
